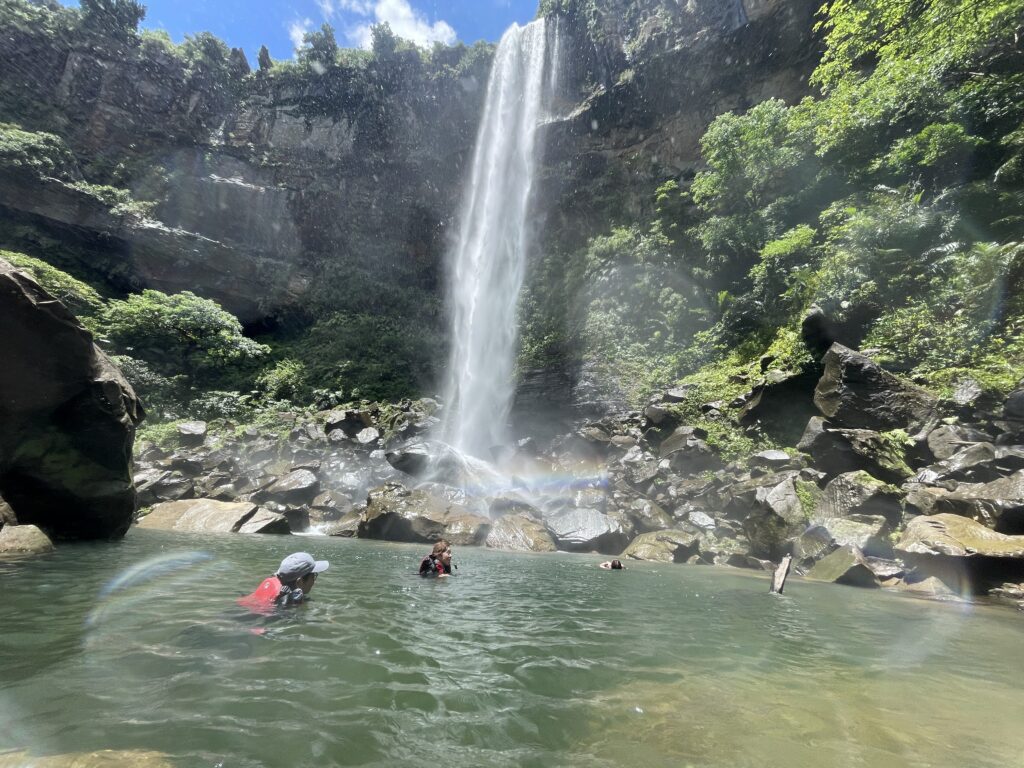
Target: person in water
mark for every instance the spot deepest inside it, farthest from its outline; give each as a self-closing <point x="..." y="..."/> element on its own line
<point x="290" y="584"/>
<point x="439" y="561"/>
<point x="613" y="565"/>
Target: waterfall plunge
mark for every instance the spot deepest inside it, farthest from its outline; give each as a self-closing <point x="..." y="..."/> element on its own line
<point x="488" y="262"/>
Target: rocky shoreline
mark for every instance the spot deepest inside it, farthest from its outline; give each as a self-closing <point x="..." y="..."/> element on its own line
<point x="890" y="487"/>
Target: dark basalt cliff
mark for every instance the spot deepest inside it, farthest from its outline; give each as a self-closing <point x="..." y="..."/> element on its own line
<point x="68" y="418"/>
<point x="259" y="183"/>
<point x="269" y="185"/>
<point x="659" y="72"/>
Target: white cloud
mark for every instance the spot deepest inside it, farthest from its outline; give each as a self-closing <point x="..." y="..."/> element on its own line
<point x="297" y="29"/>
<point x="362" y="7"/>
<point x="404" y="20"/>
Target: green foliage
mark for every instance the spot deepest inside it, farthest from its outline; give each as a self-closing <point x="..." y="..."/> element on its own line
<point x="873" y="252"/>
<point x="782" y="281"/>
<point x="286" y="380"/>
<point x="947" y="34"/>
<point x="161" y="396"/>
<point x="177" y="333"/>
<point x="319" y="47"/>
<point x="113" y="18"/>
<point x="640" y="307"/>
<point x="162" y="434"/>
<point x="378" y="357"/>
<point x="41" y="154"/>
<point x="969" y="296"/>
<point x="82" y="299"/>
<point x="264" y="59"/>
<point x="156" y="42"/>
<point x="756" y="164"/>
<point x="941" y="148"/>
<point x="120" y="201"/>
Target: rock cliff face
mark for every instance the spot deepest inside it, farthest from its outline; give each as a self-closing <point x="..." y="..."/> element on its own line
<point x="644" y="82"/>
<point x="267" y="186"/>
<point x="260" y="183"/>
<point x="68" y="419"/>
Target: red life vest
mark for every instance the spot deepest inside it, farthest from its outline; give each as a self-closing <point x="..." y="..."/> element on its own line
<point x="263" y="599"/>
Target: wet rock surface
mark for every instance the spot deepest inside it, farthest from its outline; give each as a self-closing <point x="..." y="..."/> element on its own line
<point x="645" y="485"/>
<point x="211" y="516"/>
<point x="68" y="418"/>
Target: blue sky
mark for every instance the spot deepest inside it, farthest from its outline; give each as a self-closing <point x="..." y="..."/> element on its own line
<point x="277" y="23"/>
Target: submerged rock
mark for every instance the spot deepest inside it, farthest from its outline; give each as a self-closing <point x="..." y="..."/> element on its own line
<point x="105" y="758"/>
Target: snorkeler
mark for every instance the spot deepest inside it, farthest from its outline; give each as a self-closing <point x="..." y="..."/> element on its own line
<point x="290" y="585"/>
<point x="439" y="561"/>
<point x="612" y="565"/>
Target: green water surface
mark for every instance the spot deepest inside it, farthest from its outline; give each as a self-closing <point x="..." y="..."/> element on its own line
<point x="519" y="660"/>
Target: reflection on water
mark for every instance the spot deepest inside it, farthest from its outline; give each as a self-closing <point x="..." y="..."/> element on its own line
<point x="520" y="660"/>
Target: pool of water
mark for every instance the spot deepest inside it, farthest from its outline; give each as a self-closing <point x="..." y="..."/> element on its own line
<point x="519" y="660"/>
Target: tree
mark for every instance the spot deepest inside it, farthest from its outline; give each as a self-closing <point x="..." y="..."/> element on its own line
<point x="319" y="48"/>
<point x="115" y="18"/>
<point x="177" y="333"/>
<point x="264" y="58"/>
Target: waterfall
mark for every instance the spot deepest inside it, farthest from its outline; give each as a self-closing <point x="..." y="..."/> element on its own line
<point x="487" y="263"/>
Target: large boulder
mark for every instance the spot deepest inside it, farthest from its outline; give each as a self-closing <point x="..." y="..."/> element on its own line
<point x="948" y="439"/>
<point x="395" y="513"/>
<point x="772" y="509"/>
<point x="780" y="404"/>
<point x="587" y="530"/>
<point x="23" y="540"/>
<point x="835" y="450"/>
<point x="856" y="392"/>
<point x="858" y="493"/>
<point x="520" y="532"/>
<point x="845" y="565"/>
<point x="956" y="536"/>
<point x="210" y="516"/>
<point x="68" y="418"/>
<point x="672" y="546"/>
<point x="298" y="487"/>
<point x="966" y="556"/>
<point x="998" y="505"/>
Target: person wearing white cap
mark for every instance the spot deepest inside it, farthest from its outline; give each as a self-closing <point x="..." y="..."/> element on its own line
<point x="290" y="584"/>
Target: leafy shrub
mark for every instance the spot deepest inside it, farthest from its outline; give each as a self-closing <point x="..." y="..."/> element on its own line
<point x="285" y="380"/>
<point x="178" y="333"/>
<point x="376" y="357"/>
<point x="161" y="396"/>
<point x="41" y="154"/>
<point x="82" y="299"/>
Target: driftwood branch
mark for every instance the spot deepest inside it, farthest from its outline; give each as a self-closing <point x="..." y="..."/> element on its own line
<point x="779" y="578"/>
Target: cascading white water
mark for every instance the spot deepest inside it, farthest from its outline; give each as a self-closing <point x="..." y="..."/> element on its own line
<point x="488" y="262"/>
